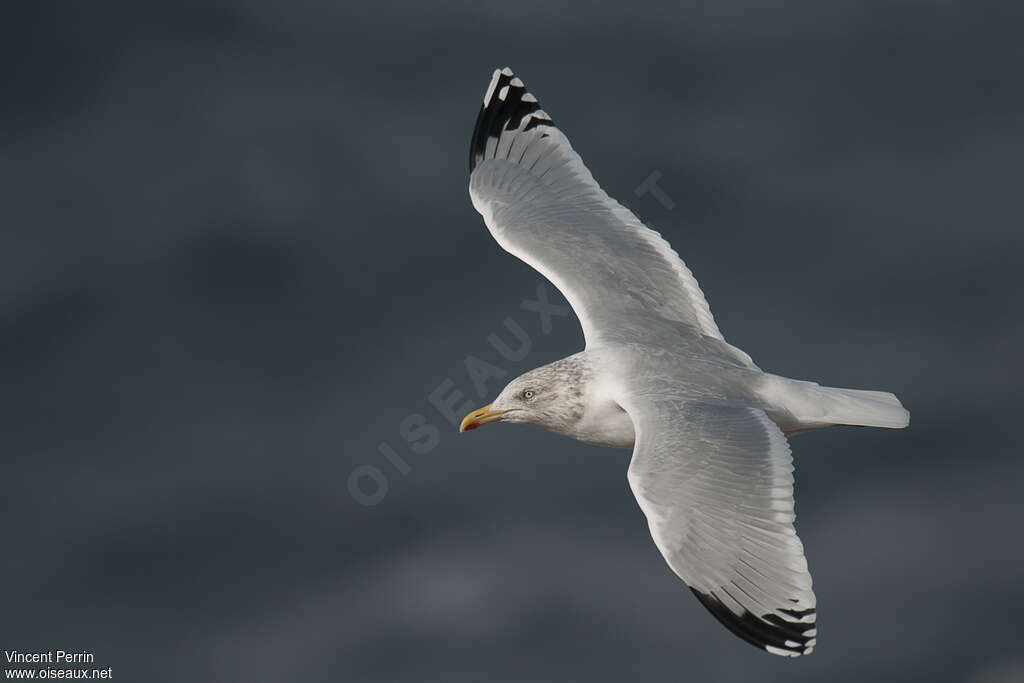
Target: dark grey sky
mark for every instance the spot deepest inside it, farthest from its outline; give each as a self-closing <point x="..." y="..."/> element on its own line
<point x="238" y="253"/>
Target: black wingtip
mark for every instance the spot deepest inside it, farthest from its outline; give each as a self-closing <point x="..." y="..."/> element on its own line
<point x="769" y="632"/>
<point x="506" y="104"/>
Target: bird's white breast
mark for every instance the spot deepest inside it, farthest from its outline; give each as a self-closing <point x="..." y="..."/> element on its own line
<point x="604" y="422"/>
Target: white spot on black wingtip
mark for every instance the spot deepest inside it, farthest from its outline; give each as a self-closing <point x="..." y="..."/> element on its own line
<point x="494" y="83"/>
<point x="506" y="107"/>
<point x="538" y="118"/>
<point x="791" y="636"/>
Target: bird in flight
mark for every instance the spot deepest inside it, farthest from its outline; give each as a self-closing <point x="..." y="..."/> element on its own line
<point x="711" y="466"/>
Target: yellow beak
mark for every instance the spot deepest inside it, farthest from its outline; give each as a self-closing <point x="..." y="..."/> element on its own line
<point x="480" y="416"/>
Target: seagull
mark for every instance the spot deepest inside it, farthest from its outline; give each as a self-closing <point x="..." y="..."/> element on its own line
<point x="711" y="467"/>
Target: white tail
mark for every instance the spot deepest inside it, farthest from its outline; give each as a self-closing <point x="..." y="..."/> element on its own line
<point x="806" y="405"/>
<point x="864" y="408"/>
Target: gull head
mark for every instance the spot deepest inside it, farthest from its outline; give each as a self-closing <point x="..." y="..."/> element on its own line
<point x="550" y="396"/>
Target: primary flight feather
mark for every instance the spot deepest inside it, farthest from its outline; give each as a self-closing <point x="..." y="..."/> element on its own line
<point x="711" y="466"/>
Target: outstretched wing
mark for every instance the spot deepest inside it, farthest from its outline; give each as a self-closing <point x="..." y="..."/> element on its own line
<point x="716" y="485"/>
<point x="542" y="205"/>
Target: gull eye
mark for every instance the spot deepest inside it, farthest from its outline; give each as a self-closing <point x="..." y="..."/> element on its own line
<point x="528" y="393"/>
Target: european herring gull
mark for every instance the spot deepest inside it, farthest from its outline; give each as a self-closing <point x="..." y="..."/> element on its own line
<point x="711" y="466"/>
